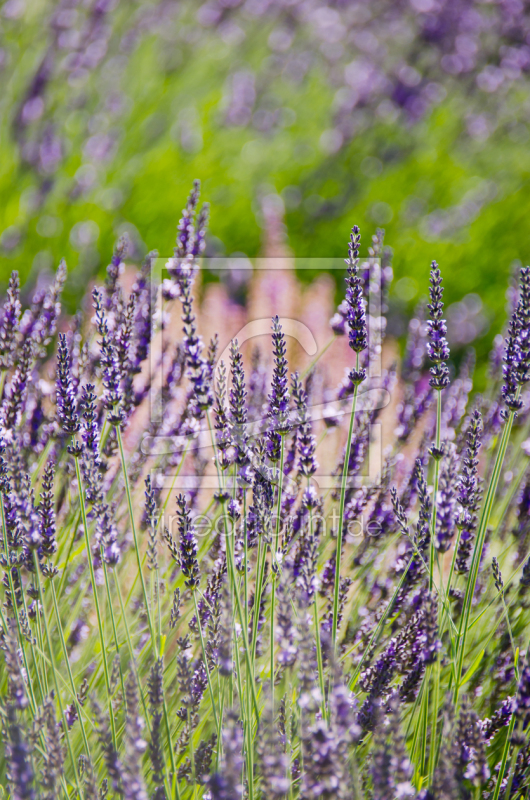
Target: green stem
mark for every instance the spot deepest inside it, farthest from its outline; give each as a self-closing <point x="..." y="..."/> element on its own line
<point x="69" y="669"/>
<point x="52" y="660"/>
<point x="505" y="754"/>
<point x="96" y="599"/>
<point x="435" y="490"/>
<point x="274" y="560"/>
<point x="135" y="537"/>
<point x="344" y="482"/>
<point x="232" y="575"/>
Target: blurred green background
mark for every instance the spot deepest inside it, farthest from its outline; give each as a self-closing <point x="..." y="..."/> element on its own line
<point x="109" y="111"/>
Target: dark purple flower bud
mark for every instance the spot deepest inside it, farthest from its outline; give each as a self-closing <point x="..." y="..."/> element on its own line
<point x="500" y="719"/>
<point x="123" y="337"/>
<point x="191" y="229"/>
<point x="469" y="493"/>
<point x="516" y="369"/>
<point x="152" y="524"/>
<point x="16" y="393"/>
<point x="357" y="330"/>
<point x="307" y="463"/>
<point x="46" y="510"/>
<point x="427" y="640"/>
<point x="106" y="537"/>
<point x="71" y="716"/>
<point x="199" y="368"/>
<point x="497" y="575"/>
<point x="89" y="422"/>
<point x="238" y="405"/>
<point x="66" y="400"/>
<point x="10" y="323"/>
<point x="222" y="424"/>
<point x="145" y="295"/>
<point x="279" y="396"/>
<point x="110" y="363"/>
<point x="188" y="545"/>
<point x="155" y="691"/>
<point x="437" y="347"/>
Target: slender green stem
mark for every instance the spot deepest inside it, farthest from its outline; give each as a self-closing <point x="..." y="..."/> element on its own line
<point x="317" y="632"/>
<point x="96" y="599"/>
<point x="505" y="754"/>
<point x="232" y="575"/>
<point x="135" y="537"/>
<point x="68" y="668"/>
<point x="135" y="669"/>
<point x="274" y="560"/>
<point x="435" y="490"/>
<point x="344" y="483"/>
<point x="69" y="553"/>
<point x="113" y="623"/>
<point x="436" y="669"/>
<point x="58" y="693"/>
<point x="260" y="572"/>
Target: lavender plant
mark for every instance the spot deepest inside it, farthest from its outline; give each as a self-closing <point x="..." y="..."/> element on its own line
<point x="235" y="638"/>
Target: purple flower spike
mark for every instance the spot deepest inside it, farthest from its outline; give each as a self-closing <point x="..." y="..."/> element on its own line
<point x="437" y="347"/>
<point x="307" y="463"/>
<point x="188" y="545"/>
<point x="46" y="510"/>
<point x="469" y="492"/>
<point x="238" y="406"/>
<point x="516" y="369"/>
<point x="10" y="322"/>
<point x="66" y="400"/>
<point x="279" y="396"/>
<point x="89" y="422"/>
<point x="357" y="333"/>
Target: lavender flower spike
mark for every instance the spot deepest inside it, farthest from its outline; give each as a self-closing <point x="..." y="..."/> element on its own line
<point x="516" y="369"/>
<point x="238" y="405"/>
<point x="357" y="329"/>
<point x="437" y="347"/>
<point x="10" y="322"/>
<point x="66" y="401"/>
<point x="188" y="545"/>
<point x="279" y="396"/>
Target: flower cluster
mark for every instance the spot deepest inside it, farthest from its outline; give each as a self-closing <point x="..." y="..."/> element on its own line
<point x="274" y="648"/>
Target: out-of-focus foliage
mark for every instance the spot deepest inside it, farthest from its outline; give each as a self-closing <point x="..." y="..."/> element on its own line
<point x="411" y="115"/>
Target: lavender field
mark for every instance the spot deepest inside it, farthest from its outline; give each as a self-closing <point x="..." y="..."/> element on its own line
<point x="264" y="489"/>
<point x="272" y="630"/>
